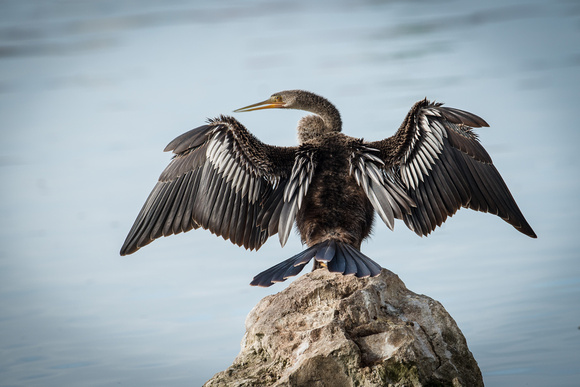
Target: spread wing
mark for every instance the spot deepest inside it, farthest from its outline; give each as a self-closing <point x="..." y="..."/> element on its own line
<point x="223" y="179"/>
<point x="440" y="164"/>
<point x="384" y="191"/>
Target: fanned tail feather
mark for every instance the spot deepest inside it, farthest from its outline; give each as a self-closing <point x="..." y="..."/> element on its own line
<point x="339" y="257"/>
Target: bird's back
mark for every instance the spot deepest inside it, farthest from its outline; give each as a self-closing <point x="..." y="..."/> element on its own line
<point x="335" y="206"/>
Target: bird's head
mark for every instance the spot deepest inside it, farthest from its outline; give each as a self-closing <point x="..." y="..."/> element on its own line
<point x="289" y="99"/>
<point x="302" y="100"/>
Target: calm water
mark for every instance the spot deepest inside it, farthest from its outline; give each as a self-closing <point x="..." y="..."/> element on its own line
<point x="91" y="92"/>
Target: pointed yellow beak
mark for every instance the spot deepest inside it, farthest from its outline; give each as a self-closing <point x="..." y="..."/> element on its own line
<point x="267" y="104"/>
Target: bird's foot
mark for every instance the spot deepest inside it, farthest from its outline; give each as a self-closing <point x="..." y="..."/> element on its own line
<point x="319" y="265"/>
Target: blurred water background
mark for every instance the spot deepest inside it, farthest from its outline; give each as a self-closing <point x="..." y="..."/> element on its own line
<point x="92" y="91"/>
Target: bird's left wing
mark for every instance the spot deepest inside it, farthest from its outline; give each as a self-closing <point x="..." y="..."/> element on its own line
<point x="223" y="179"/>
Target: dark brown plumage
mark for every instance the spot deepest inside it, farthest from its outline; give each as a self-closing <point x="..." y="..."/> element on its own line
<point x="224" y="179"/>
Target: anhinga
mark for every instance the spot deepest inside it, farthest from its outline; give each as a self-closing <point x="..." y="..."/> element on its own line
<point x="224" y="179"/>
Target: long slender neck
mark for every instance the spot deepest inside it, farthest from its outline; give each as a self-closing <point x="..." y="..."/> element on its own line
<point x="325" y="110"/>
<point x="326" y="118"/>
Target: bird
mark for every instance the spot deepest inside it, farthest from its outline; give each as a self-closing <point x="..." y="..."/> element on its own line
<point x="224" y="179"/>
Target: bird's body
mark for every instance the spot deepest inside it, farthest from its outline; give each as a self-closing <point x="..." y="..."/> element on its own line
<point x="224" y="179"/>
<point x="335" y="207"/>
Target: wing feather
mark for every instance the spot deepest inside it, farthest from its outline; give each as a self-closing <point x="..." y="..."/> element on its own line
<point x="441" y="165"/>
<point x="386" y="195"/>
<point x="219" y="179"/>
<point x="295" y="191"/>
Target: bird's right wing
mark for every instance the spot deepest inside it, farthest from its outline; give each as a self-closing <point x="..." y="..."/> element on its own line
<point x="437" y="159"/>
<point x="224" y="179"/>
<point x="384" y="191"/>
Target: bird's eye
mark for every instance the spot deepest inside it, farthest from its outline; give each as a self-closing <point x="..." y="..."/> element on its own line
<point x="276" y="98"/>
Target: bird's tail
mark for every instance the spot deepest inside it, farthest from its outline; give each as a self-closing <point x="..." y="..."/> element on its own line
<point x="338" y="256"/>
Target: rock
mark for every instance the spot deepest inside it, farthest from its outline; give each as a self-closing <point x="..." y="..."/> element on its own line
<point x="331" y="330"/>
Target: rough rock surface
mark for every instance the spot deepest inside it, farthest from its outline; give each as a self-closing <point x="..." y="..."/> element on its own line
<point x="327" y="329"/>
